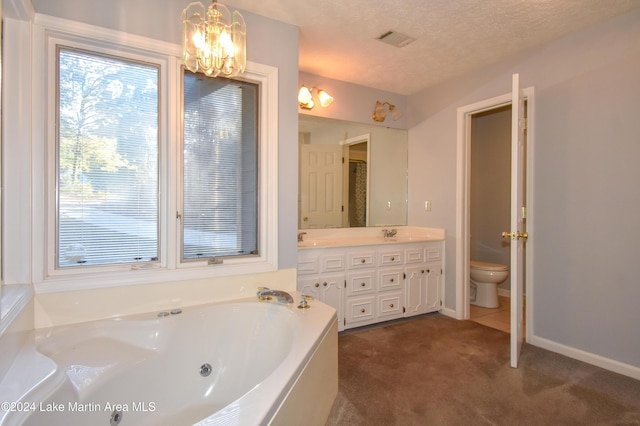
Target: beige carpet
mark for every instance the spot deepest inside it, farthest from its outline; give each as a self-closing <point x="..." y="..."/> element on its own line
<point x="434" y="370"/>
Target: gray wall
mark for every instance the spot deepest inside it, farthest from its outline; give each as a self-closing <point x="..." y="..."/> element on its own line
<point x="160" y="19"/>
<point x="586" y="233"/>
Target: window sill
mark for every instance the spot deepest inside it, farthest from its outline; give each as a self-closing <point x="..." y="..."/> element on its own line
<point x="144" y="276"/>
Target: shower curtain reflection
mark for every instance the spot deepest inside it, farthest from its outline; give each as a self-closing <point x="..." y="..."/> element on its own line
<point x="357" y="193"/>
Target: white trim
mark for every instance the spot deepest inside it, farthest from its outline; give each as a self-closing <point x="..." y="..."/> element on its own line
<point x="16" y="141"/>
<point x="47" y="32"/>
<point x="590" y="358"/>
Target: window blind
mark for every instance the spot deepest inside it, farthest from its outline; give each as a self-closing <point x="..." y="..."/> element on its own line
<point x="107" y="160"/>
<point x="220" y="167"/>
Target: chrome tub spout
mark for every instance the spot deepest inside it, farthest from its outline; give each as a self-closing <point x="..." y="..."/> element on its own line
<point x="265" y="293"/>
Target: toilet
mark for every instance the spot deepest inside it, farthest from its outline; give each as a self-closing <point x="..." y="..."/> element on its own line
<point x="485" y="278"/>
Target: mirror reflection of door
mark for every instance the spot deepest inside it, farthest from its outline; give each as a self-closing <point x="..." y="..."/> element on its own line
<point x="321" y="186"/>
<point x="386" y="200"/>
<point x="357" y="172"/>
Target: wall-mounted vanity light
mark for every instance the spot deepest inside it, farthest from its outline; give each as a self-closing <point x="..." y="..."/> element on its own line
<point x="305" y="99"/>
<point x="380" y="112"/>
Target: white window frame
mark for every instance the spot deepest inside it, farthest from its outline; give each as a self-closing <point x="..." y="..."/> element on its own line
<point x="50" y="32"/>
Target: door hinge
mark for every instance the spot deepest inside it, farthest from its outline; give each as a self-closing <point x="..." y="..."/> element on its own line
<point x="441" y="303"/>
<point x="345" y="283"/>
<point x="342" y="160"/>
<point x="525" y="125"/>
<point x="342" y="208"/>
<point x="524" y="212"/>
<point x="404" y="275"/>
<point x="404" y="310"/>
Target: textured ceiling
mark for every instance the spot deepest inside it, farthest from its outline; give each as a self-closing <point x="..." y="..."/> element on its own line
<point x="453" y="37"/>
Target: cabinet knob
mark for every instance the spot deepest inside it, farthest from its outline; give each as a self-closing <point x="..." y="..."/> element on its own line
<point x="363" y="284"/>
<point x="317" y="284"/>
<point x="363" y="310"/>
<point x="428" y="270"/>
<point x="393" y="259"/>
<point x="363" y="261"/>
<point x="392" y="280"/>
<point x="391" y="305"/>
<point x="324" y="284"/>
<point x="423" y="271"/>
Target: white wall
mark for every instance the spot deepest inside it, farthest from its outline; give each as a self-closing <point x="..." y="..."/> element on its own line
<point x="586" y="233"/>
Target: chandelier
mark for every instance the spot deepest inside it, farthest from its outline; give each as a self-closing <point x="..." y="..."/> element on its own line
<point x="213" y="40"/>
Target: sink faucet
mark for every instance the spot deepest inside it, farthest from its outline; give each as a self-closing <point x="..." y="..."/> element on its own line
<point x="389" y="233"/>
<point x="300" y="236"/>
<point x="265" y="293"/>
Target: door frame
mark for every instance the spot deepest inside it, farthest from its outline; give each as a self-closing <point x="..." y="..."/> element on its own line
<point x="463" y="240"/>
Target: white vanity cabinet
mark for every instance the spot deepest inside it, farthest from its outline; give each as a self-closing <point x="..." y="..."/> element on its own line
<point x="374" y="283"/>
<point x="321" y="275"/>
<point x="423" y="281"/>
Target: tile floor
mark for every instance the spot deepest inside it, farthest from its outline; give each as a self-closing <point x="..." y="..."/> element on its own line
<point x="499" y="318"/>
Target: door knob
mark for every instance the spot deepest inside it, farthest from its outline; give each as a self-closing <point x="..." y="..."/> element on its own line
<point x="515" y="235"/>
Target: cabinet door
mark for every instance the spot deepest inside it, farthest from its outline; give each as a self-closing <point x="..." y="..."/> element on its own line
<point x="415" y="288"/>
<point x="433" y="287"/>
<point x="309" y="285"/>
<point x="332" y="293"/>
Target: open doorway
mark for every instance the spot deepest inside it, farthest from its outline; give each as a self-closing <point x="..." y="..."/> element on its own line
<point x="489" y="216"/>
<point x="464" y="208"/>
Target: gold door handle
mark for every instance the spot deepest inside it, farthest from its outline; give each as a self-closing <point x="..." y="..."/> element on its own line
<point x="515" y="235"/>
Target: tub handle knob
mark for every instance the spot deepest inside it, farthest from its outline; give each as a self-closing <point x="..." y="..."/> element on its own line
<point x="303" y="301"/>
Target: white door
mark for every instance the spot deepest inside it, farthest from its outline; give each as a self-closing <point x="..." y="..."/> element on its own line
<point x="320" y="186"/>
<point x="518" y="233"/>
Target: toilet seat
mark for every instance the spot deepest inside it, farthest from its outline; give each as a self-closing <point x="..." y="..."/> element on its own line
<point x="487" y="266"/>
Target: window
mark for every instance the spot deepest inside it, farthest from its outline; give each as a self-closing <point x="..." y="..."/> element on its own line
<point x="107" y="160"/>
<point x="220" y="167"/>
<point x="149" y="171"/>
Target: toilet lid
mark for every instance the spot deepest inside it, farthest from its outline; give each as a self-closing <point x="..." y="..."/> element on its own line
<point x="486" y="266"/>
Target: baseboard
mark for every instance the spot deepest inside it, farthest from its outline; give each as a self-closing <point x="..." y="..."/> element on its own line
<point x="504" y="292"/>
<point x="450" y="313"/>
<point x="597" y="360"/>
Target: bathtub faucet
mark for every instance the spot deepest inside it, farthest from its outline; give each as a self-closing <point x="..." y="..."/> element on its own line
<point x="265" y="293"/>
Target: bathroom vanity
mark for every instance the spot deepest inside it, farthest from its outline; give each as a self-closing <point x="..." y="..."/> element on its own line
<point x="369" y="278"/>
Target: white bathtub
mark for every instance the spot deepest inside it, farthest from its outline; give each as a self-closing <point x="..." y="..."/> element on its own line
<point x="265" y="360"/>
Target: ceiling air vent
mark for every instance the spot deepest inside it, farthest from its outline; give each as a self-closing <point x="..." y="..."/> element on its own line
<point x="395" y="39"/>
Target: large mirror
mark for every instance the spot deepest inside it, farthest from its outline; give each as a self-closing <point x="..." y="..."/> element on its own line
<point x="351" y="174"/>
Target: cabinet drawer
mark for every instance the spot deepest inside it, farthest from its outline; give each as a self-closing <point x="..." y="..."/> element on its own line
<point x="361" y="260"/>
<point x="390" y="279"/>
<point x="389" y="258"/>
<point x="332" y="263"/>
<point x="360" y="310"/>
<point x="308" y="265"/>
<point x="389" y="305"/>
<point x="414" y="254"/>
<point x="360" y="282"/>
<point x="433" y="253"/>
